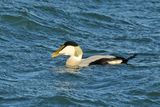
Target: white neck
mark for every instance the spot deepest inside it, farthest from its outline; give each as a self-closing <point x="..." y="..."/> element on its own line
<point x="74" y="61"/>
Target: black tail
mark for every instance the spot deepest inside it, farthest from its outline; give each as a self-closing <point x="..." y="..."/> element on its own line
<point x="129" y="58"/>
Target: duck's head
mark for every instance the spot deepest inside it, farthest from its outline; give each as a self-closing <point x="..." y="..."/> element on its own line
<point x="69" y="48"/>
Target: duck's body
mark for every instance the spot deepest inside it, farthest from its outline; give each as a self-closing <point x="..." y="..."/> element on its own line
<point x="75" y="60"/>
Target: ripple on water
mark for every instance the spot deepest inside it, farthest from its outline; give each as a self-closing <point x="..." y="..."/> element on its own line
<point x="31" y="30"/>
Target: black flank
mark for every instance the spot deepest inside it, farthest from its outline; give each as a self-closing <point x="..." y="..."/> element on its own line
<point x="104" y="61"/>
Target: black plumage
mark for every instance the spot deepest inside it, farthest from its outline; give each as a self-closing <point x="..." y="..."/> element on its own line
<point x="70" y="43"/>
<point x="104" y="61"/>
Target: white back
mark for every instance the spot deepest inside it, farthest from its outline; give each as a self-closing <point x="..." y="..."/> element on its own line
<point x="87" y="61"/>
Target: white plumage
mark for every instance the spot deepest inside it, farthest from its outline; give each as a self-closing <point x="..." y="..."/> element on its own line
<point x="75" y="60"/>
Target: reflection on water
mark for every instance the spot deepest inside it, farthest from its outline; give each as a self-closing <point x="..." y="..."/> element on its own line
<point x="64" y="69"/>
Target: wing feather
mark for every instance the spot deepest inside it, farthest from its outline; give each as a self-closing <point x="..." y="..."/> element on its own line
<point x="89" y="60"/>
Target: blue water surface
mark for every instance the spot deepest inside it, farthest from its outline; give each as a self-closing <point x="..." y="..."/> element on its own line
<point x="30" y="30"/>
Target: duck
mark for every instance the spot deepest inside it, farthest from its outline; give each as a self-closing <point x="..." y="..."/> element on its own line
<point x="75" y="53"/>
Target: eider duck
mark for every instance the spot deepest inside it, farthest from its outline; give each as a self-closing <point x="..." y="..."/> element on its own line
<point x="75" y="60"/>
